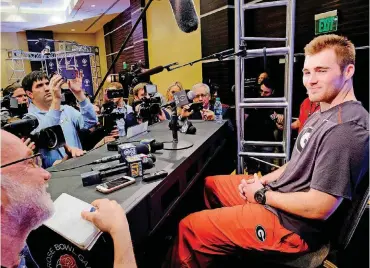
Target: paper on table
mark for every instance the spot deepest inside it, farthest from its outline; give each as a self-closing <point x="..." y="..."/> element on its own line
<point x="67" y="222"/>
<point x="136" y="130"/>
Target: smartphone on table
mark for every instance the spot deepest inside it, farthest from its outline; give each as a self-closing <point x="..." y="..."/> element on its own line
<point x="115" y="184"/>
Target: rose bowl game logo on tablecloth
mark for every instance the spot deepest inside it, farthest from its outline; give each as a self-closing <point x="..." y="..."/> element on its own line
<point x="66" y="261"/>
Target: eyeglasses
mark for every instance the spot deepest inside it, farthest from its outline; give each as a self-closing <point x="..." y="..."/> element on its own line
<point x="200" y="95"/>
<point x="36" y="161"/>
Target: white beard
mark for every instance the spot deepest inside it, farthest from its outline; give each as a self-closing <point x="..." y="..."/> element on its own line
<point x="28" y="206"/>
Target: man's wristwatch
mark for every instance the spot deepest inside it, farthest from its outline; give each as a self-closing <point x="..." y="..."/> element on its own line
<point x="260" y="196"/>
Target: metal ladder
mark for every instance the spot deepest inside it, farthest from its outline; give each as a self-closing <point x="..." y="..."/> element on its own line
<point x="285" y="102"/>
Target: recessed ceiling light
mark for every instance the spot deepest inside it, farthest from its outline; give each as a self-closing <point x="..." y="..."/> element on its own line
<point x="92" y="5"/>
<point x="73" y="30"/>
<point x="56" y="19"/>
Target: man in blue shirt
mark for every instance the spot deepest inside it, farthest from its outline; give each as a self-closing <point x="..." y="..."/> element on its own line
<point x="46" y="106"/>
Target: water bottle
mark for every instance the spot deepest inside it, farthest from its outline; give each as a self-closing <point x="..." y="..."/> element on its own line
<point x="218" y="110"/>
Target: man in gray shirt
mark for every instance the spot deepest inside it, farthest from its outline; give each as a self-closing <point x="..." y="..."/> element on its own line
<point x="289" y="209"/>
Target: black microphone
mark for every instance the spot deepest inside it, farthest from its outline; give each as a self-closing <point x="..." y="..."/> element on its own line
<point x="149" y="148"/>
<point x="107" y="159"/>
<point x="147" y="161"/>
<point x="96" y="177"/>
<point x="152" y="144"/>
<point x="152" y="71"/>
<point x="143" y="150"/>
<point x="185" y="15"/>
<point x="187" y="127"/>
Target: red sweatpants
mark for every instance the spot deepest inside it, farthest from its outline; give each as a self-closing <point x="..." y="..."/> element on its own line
<point x="235" y="224"/>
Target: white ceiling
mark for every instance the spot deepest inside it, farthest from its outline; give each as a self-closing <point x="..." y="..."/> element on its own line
<point x="20" y="15"/>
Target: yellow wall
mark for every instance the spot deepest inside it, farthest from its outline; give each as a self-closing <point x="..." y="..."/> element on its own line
<point x="12" y="41"/>
<point x="167" y="44"/>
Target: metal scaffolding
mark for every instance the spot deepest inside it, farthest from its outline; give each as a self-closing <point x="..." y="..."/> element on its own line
<point x="67" y="50"/>
<point x="241" y="102"/>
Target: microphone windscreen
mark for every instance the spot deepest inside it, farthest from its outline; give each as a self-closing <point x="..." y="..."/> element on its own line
<point x="142" y="149"/>
<point x="191" y="95"/>
<point x="185" y="15"/>
<point x="152" y="157"/>
<point x="148" y="164"/>
<point x="157" y="145"/>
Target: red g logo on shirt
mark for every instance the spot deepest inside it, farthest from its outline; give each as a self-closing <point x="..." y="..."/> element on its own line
<point x="303" y="138"/>
<point x="66" y="261"/>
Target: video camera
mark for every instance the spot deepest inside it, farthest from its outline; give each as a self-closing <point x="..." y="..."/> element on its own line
<point x="195" y="106"/>
<point x="148" y="109"/>
<point x="129" y="78"/>
<point x="109" y="117"/>
<point x="48" y="138"/>
<point x="116" y="93"/>
<point x="10" y="108"/>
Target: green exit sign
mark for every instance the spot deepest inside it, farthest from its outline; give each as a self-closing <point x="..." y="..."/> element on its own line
<point x="326" y="22"/>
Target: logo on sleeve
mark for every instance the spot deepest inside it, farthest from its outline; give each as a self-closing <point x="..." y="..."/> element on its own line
<point x="260" y="233"/>
<point x="303" y="138"/>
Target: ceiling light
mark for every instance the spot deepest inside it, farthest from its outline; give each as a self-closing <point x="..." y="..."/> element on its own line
<point x="15" y="18"/>
<point x="56" y="19"/>
<point x="73" y="30"/>
<point x="92" y="5"/>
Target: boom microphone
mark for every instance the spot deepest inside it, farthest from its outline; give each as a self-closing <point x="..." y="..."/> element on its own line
<point x="152" y="71"/>
<point x="96" y="177"/>
<point x="185" y="15"/>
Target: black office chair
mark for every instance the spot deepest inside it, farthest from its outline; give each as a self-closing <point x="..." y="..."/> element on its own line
<point x="313" y="259"/>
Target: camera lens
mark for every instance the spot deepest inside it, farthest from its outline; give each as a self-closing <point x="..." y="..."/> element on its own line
<point x="50" y="138"/>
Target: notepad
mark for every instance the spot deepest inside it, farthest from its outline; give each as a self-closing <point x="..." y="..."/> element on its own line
<point x="136" y="130"/>
<point x="67" y="222"/>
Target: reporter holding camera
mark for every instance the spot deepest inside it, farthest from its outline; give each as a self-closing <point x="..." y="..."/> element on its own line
<point x="121" y="108"/>
<point x="140" y="94"/>
<point x="46" y="107"/>
<point x="200" y="93"/>
<point x="16" y="91"/>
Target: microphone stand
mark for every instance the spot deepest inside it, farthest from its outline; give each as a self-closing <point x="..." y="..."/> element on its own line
<point x="174" y="126"/>
<point x="142" y="14"/>
<point x="220" y="56"/>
